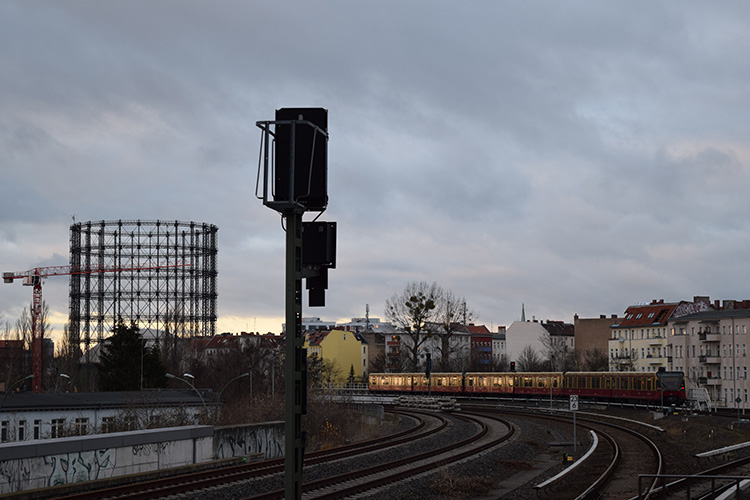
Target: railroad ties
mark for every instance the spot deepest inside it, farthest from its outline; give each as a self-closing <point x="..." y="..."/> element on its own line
<point x="429" y="403"/>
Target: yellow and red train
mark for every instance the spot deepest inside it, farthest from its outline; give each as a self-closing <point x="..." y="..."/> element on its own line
<point x="648" y="387"/>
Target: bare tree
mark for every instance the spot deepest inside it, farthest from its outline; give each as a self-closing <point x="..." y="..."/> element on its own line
<point x="595" y="360"/>
<point x="412" y="311"/>
<point x="452" y="315"/>
<point x="559" y="357"/>
<point x="529" y="360"/>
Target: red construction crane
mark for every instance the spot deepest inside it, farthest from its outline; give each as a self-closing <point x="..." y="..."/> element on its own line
<point x="33" y="277"/>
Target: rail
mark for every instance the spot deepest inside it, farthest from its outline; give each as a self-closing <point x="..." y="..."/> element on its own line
<point x="594" y="444"/>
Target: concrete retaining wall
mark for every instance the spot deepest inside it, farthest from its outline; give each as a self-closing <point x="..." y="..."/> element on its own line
<point x="243" y="440"/>
<point x="51" y="462"/>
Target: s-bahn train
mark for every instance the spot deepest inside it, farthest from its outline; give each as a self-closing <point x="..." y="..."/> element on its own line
<point x="650" y="387"/>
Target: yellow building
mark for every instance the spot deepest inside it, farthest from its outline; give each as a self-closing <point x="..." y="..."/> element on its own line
<point x="344" y="349"/>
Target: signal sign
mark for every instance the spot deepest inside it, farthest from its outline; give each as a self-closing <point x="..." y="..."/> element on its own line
<point x="573" y="402"/>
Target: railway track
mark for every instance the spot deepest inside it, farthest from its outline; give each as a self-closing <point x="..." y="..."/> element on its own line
<point x="612" y="469"/>
<point x="179" y="484"/>
<point x="487" y="435"/>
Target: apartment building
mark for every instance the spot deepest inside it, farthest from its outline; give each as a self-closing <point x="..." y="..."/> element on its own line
<point x="711" y="348"/>
<point x="640" y="340"/>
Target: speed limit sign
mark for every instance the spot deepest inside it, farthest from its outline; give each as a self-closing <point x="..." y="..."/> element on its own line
<point x="573" y="402"/>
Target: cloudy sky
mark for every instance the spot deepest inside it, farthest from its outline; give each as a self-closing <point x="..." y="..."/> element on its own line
<point x="576" y="157"/>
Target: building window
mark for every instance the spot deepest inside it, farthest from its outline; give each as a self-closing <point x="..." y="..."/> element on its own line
<point x="37" y="429"/>
<point x="109" y="424"/>
<point x="58" y="427"/>
<point x="82" y="425"/>
<point x="22" y="430"/>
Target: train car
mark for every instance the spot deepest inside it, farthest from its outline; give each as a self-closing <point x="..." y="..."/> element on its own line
<point x="645" y="387"/>
<point x="589" y="385"/>
<point x="537" y="384"/>
<point x="416" y="383"/>
<point x="486" y="383"/>
<point x="671" y="387"/>
<point x="447" y="383"/>
<point x="391" y="382"/>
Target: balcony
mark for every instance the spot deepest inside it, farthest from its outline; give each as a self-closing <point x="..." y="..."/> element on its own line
<point x="709" y="337"/>
<point x="710" y="381"/>
<point x="656" y="341"/>
<point x="654" y="360"/>
<point x="709" y="359"/>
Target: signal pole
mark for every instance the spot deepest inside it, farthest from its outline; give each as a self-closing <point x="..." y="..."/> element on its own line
<point x="294" y="182"/>
<point x="293" y="440"/>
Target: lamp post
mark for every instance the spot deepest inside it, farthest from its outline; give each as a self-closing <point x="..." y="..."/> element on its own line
<point x="17" y="382"/>
<point x="66" y="377"/>
<point x="187" y="375"/>
<point x="246" y="374"/>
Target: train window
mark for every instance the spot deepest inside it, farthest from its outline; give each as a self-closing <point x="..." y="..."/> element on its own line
<point x="595" y="383"/>
<point x="542" y="382"/>
<point x="511" y="382"/>
<point x="555" y="382"/>
<point x="649" y="384"/>
<point x="528" y="382"/>
<point x="439" y="381"/>
<point x="471" y="381"/>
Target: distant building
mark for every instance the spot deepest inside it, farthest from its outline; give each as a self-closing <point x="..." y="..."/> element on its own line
<point x="31" y="416"/>
<point x="711" y="348"/>
<point x="540" y="336"/>
<point x="347" y="349"/>
<point x="593" y="333"/>
<point x="498" y="346"/>
<point x="639" y="341"/>
<point x="481" y="345"/>
<point x="313" y="324"/>
<point x="366" y="325"/>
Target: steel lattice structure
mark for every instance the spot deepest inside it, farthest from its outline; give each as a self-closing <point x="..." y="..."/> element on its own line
<point x="167" y="284"/>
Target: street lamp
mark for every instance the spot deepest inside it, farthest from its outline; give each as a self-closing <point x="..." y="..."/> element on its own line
<point x="66" y="377"/>
<point x="247" y="374"/>
<point x="187" y="375"/>
<point x="17" y="382"/>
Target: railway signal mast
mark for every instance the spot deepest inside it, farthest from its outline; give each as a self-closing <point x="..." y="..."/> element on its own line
<point x="33" y="278"/>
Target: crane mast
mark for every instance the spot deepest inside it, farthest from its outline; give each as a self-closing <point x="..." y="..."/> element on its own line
<point x="33" y="278"/>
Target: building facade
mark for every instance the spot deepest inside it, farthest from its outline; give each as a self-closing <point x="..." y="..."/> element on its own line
<point x="348" y="350"/>
<point x="639" y="341"/>
<point x="711" y="349"/>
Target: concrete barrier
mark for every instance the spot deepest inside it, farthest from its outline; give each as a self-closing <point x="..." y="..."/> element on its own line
<point x="249" y="439"/>
<point x="52" y="462"/>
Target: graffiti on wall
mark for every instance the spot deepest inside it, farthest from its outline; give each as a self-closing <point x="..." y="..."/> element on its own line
<point x="690" y="308"/>
<point x="243" y="441"/>
<point x="81" y="466"/>
<point x="145" y="450"/>
<point x="21" y="474"/>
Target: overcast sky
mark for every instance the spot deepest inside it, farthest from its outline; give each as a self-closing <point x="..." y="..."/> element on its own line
<point x="575" y="157"/>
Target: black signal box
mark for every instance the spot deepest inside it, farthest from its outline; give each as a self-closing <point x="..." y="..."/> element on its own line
<point x="319" y="244"/>
<point x="301" y="157"/>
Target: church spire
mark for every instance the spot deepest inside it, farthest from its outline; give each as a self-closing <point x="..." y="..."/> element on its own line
<point x="523" y="313"/>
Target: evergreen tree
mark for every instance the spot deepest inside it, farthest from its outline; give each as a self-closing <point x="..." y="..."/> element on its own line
<point x="124" y="356"/>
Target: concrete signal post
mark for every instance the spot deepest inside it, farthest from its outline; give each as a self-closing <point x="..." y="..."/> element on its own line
<point x="293" y="179"/>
